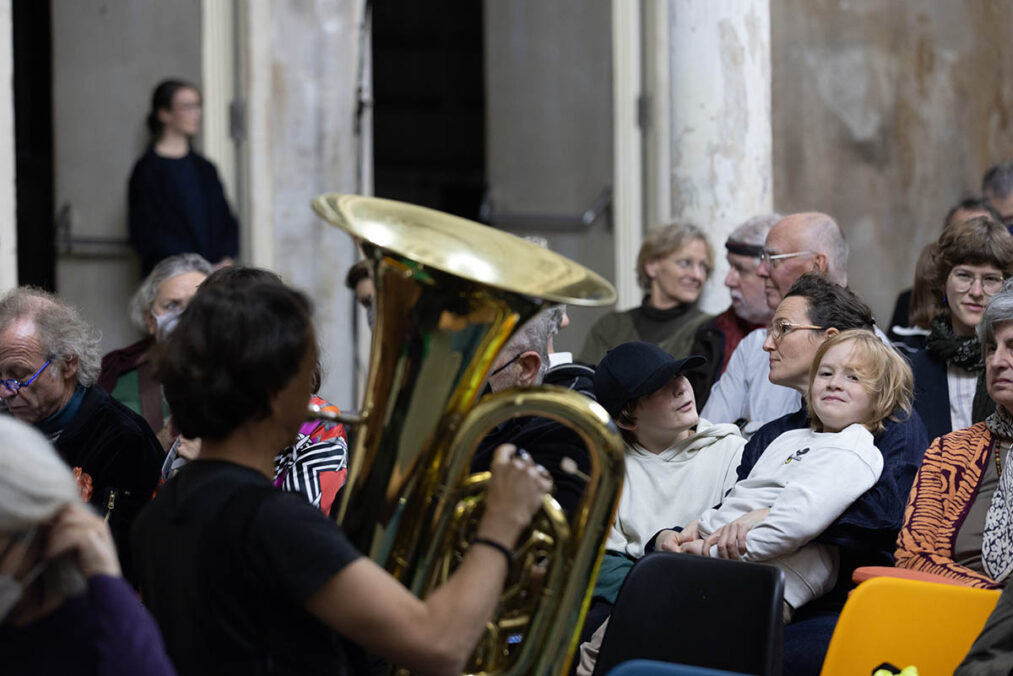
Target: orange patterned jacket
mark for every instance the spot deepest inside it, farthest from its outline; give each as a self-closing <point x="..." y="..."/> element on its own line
<point x="943" y="491"/>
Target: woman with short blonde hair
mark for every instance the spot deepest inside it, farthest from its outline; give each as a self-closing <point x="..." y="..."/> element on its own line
<point x="673" y="264"/>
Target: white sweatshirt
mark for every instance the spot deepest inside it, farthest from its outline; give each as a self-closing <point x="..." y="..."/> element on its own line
<point x="673" y="487"/>
<point x="807" y="480"/>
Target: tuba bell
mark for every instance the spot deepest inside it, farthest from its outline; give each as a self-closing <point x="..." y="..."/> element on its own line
<point x="449" y="294"/>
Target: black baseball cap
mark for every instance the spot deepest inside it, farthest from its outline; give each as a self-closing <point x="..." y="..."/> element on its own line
<point x="636" y="369"/>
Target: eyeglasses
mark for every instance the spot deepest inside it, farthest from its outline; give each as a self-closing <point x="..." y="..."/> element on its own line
<point x="515" y="358"/>
<point x="16" y="385"/>
<point x="780" y="328"/>
<point x="772" y="260"/>
<point x="964" y="280"/>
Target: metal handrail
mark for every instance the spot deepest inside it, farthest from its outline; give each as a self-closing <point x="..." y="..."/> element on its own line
<point x="64" y="242"/>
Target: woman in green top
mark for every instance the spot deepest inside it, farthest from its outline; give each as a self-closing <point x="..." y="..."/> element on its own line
<point x="673" y="264"/>
<point x="128" y="373"/>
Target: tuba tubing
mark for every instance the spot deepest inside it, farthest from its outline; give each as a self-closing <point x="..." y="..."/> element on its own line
<point x="449" y="295"/>
<point x="567" y="553"/>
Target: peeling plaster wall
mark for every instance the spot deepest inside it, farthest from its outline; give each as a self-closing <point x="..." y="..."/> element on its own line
<point x="314" y="49"/>
<point x="720" y="121"/>
<point x="884" y="116"/>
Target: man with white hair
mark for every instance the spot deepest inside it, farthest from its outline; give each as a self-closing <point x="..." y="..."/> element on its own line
<point x="524" y="362"/>
<point x="797" y="244"/>
<point x="49" y="364"/>
<point x="717" y="338"/>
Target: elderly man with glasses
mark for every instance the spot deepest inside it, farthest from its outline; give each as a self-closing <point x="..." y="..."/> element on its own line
<point x="797" y="244"/>
<point x="49" y="363"/>
<point x="717" y="338"/>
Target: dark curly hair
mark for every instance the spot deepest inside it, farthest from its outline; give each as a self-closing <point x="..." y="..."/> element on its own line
<point x="832" y="305"/>
<point x="239" y="342"/>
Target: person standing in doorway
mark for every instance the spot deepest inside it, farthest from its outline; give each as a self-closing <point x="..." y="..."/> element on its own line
<point x="176" y="201"/>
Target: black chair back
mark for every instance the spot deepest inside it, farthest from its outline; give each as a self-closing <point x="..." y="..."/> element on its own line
<point x="697" y="611"/>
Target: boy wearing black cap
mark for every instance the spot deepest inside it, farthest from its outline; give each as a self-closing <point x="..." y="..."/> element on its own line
<point x="677" y="464"/>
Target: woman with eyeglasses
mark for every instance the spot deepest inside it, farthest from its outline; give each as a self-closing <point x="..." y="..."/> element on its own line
<point x="965" y="269"/>
<point x="64" y="606"/>
<point x="673" y="264"/>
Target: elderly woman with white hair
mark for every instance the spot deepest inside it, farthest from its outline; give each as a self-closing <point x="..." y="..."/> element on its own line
<point x="64" y="606"/>
<point x="958" y="515"/>
<point x="128" y="373"/>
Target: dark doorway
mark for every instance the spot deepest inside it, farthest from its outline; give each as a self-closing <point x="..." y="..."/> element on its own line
<point x="33" y="142"/>
<point x="429" y="109"/>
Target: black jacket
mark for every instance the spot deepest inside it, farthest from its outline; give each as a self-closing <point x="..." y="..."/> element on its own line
<point x="116" y="448"/>
<point x="159" y="226"/>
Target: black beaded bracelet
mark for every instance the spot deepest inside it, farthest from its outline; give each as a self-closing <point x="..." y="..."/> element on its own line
<point x="501" y="548"/>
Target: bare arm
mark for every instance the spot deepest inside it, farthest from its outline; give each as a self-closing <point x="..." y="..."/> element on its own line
<point x="436" y="636"/>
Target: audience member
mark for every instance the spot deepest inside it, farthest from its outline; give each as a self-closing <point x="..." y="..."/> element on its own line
<point x="673" y="264"/>
<point x="176" y="201"/>
<point x="64" y="607"/>
<point x="799" y="243"/>
<point x="359" y="281"/>
<point x="992" y="652"/>
<point x="244" y="578"/>
<point x="49" y="362"/>
<point x="914" y="308"/>
<point x="128" y="373"/>
<point x="524" y="362"/>
<point x="813" y="310"/>
<point x="718" y="337"/>
<point x="997" y="188"/>
<point x="965" y="269"/>
<point x="795" y="489"/>
<point x="677" y="464"/>
<point x="956" y="523"/>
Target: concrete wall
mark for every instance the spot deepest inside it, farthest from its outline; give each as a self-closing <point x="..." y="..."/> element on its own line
<point x="549" y="124"/>
<point x="107" y="57"/>
<point x="300" y="84"/>
<point x="885" y="114"/>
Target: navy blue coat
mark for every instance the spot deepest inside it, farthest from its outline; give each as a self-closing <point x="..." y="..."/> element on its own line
<point x="159" y="226"/>
<point x="932" y="394"/>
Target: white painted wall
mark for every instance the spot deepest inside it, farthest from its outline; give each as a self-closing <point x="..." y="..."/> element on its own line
<point x="299" y="83"/>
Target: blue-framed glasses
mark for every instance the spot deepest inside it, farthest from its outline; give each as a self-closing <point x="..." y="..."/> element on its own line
<point x="16" y="385"/>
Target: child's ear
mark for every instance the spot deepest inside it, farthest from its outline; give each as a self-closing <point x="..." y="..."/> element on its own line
<point x="629" y="427"/>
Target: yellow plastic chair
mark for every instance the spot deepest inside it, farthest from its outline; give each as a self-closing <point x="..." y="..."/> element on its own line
<point x="905" y="622"/>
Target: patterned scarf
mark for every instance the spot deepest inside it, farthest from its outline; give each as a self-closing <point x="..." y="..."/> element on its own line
<point x="962" y="351"/>
<point x="997" y="538"/>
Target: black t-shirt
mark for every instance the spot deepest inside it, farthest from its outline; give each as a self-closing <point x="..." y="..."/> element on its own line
<point x="226" y="563"/>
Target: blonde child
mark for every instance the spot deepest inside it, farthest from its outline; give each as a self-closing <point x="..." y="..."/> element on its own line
<point x="806" y="478"/>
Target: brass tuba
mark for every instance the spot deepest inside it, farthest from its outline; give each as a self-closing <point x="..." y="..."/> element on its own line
<point x="449" y="294"/>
